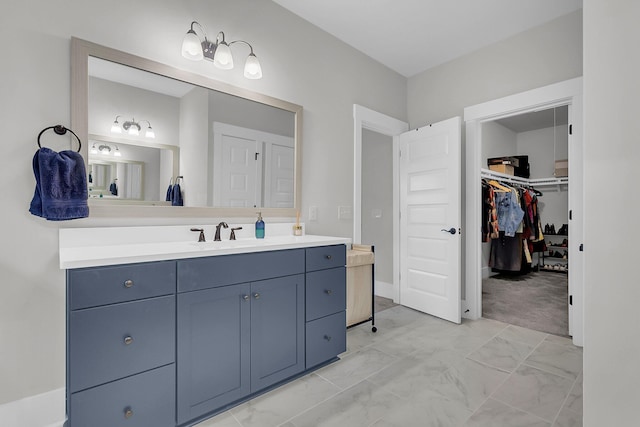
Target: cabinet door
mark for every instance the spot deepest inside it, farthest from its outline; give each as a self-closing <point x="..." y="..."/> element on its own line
<point x="213" y="349"/>
<point x="277" y="330"/>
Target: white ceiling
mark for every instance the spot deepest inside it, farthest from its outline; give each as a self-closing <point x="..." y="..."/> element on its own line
<point x="410" y="36"/>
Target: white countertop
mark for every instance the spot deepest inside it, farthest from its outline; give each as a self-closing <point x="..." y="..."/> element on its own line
<point x="91" y="247"/>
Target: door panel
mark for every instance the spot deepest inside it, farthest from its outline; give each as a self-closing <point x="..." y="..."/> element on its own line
<point x="430" y="205"/>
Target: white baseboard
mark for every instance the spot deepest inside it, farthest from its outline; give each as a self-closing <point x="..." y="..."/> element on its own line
<point x="385" y="290"/>
<point x="42" y="410"/>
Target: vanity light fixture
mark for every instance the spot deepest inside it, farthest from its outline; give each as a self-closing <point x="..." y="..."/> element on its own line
<point x="132" y="127"/>
<point x="105" y="149"/>
<point x="195" y="49"/>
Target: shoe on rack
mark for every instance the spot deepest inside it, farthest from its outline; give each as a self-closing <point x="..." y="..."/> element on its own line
<point x="564" y="243"/>
<point x="564" y="230"/>
<point x="552" y="229"/>
<point x="566" y="255"/>
<point x="557" y="254"/>
<point x="546" y="229"/>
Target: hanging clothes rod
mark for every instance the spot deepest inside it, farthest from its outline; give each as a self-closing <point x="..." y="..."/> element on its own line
<point x="535" y="182"/>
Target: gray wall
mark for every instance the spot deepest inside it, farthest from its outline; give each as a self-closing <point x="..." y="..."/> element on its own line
<point x="377" y="195"/>
<point x="611" y="158"/>
<point x="543" y="55"/>
<point x="36" y="93"/>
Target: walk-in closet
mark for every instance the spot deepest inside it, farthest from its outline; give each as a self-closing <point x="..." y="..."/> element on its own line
<point x="525" y="220"/>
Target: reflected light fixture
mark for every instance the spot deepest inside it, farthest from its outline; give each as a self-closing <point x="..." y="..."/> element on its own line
<point x="105" y="149"/>
<point x="195" y="49"/>
<point x="132" y="127"/>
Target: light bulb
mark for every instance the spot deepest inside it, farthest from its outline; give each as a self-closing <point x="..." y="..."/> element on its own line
<point x="94" y="150"/>
<point x="115" y="127"/>
<point x="117" y="153"/>
<point x="252" y="68"/>
<point x="133" y="130"/>
<point x="150" y="133"/>
<point x="191" y="46"/>
<point x="222" y="58"/>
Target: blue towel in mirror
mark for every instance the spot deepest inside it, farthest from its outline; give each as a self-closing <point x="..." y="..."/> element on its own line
<point x="176" y="196"/>
<point x="61" y="185"/>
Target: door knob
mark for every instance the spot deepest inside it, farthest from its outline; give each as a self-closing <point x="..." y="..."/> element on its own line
<point x="256" y="295"/>
<point x="451" y="230"/>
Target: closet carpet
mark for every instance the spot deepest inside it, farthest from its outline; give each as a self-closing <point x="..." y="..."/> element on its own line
<point x="537" y="301"/>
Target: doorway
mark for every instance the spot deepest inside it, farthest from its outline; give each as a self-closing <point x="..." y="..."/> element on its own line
<point x="526" y="283"/>
<point x="375" y="127"/>
<point x="567" y="93"/>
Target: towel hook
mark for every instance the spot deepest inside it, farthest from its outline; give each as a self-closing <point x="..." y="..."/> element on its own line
<point x="60" y="130"/>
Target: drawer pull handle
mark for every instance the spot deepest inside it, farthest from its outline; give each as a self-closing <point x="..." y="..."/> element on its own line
<point x="245" y="297"/>
<point x="128" y="283"/>
<point x="128" y="340"/>
<point x="328" y="291"/>
<point x="128" y="412"/>
<point x="328" y="257"/>
<point x="327" y="337"/>
<point x="256" y="295"/>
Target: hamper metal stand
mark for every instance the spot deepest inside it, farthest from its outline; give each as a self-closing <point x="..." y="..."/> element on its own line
<point x="373" y="281"/>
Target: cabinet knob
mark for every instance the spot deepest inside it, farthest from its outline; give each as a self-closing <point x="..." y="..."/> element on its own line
<point x="128" y="283"/>
<point x="328" y="256"/>
<point x="128" y="412"/>
<point x="328" y="291"/>
<point x="256" y="295"/>
<point x="128" y="340"/>
<point x="327" y="337"/>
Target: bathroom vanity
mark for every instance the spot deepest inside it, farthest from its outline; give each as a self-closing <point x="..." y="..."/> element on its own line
<point x="170" y="333"/>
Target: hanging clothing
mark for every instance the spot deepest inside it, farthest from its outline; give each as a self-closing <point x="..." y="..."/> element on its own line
<point x="516" y="228"/>
<point x="113" y="188"/>
<point x="509" y="213"/>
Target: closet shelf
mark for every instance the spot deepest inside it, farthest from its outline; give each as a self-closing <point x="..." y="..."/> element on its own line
<point x="558" y="183"/>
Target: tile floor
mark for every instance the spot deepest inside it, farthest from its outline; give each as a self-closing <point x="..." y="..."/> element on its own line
<point x="418" y="370"/>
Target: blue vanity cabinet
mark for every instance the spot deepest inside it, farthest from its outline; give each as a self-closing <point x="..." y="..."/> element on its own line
<point x="169" y="343"/>
<point x="237" y="339"/>
<point x="121" y="345"/>
<point x="326" y="293"/>
<point x="213" y="350"/>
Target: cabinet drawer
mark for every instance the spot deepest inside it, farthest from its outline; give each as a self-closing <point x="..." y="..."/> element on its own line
<point x="111" y="342"/>
<point x="211" y="272"/>
<point x="326" y="257"/>
<point x="326" y="292"/>
<point x="326" y="338"/>
<point x="146" y="399"/>
<point x="90" y="287"/>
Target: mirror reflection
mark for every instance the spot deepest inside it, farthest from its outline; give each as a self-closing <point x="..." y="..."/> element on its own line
<point x="121" y="172"/>
<point x="230" y="151"/>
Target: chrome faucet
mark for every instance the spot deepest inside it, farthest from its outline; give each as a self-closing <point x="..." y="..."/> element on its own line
<point x="217" y="236"/>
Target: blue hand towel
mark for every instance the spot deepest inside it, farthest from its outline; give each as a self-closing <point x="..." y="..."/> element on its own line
<point x="176" y="197"/>
<point x="61" y="185"/>
<point x="169" y="193"/>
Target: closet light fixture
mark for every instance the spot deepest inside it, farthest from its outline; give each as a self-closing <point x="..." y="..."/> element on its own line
<point x="196" y="49"/>
<point x="132" y="127"/>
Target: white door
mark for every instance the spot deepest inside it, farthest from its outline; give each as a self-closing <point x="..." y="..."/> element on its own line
<point x="279" y="175"/>
<point x="238" y="178"/>
<point x="430" y="219"/>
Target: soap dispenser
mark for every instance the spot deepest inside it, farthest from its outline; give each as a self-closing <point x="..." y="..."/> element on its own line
<point x="259" y="227"/>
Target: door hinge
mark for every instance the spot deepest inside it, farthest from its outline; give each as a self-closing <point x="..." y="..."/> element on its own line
<point x="256" y="156"/>
<point x="581" y="248"/>
<point x="570" y="299"/>
<point x="570" y="214"/>
<point x="570" y="129"/>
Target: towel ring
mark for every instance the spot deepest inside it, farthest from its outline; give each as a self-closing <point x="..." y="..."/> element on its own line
<point x="60" y="130"/>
